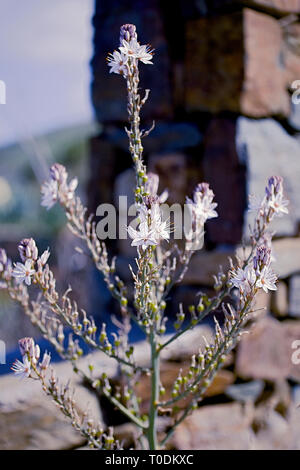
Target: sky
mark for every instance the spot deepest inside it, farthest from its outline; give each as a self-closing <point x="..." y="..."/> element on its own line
<point x="45" y="49"/>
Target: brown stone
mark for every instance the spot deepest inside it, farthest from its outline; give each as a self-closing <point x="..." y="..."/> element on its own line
<point x="226" y="176"/>
<point x="291" y="51"/>
<point x="38" y="426"/>
<point x="281" y="7"/>
<point x="31" y="420"/>
<point x="205" y="264"/>
<point x="232" y="64"/>
<point x="262" y="303"/>
<point x="169" y="373"/>
<point x="266" y="352"/>
<point x="274" y="432"/>
<point x="215" y="427"/>
<point x="284" y="6"/>
<point x="287" y="256"/>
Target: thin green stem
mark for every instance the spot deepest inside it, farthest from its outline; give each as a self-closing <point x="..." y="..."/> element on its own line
<point x="155" y="379"/>
<point x="215" y="303"/>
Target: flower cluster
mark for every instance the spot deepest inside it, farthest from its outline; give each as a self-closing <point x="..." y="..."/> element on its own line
<point x="130" y="51"/>
<point x="29" y="255"/>
<point x="258" y="273"/>
<point x="273" y="203"/>
<point x="157" y="270"/>
<point x="202" y="205"/>
<point x="152" y="229"/>
<point x="57" y="187"/>
<point x="30" y="359"/>
<point x="201" y="209"/>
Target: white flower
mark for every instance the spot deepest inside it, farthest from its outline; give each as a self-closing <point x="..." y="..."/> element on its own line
<point x="279" y="204"/>
<point x="267" y="279"/>
<point x="244" y="279"/>
<point x="160" y="229"/>
<point x="22" y="369"/>
<point x="23" y="272"/>
<point x="46" y="361"/>
<point x="117" y="61"/>
<point x="133" y="49"/>
<point x="44" y="257"/>
<point x="144" y="54"/>
<point x="202" y="205"/>
<point x="73" y="185"/>
<point x="49" y="191"/>
<point x="143" y="237"/>
<point x="274" y="198"/>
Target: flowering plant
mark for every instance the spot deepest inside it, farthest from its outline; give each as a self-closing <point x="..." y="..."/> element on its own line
<point x="159" y="266"/>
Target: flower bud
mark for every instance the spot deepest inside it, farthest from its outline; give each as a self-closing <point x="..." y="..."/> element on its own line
<point x="46" y="361"/>
<point x="28" y="249"/>
<point x="127" y="32"/>
<point x="58" y="173"/>
<point x="26" y="345"/>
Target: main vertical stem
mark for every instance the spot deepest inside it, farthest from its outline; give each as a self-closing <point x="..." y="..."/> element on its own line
<point x="152" y="431"/>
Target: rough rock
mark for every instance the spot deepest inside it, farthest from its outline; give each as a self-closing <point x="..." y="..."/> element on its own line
<point x="262" y="303"/>
<point x="281" y="7"/>
<point x="267" y="149"/>
<point x="274" y="432"/>
<point x="294" y="426"/>
<point x="266" y="352"/>
<point x="287" y="256"/>
<point x="240" y="55"/>
<point x="226" y="175"/>
<point x="205" y="264"/>
<point x="217" y="427"/>
<point x="30" y="420"/>
<point x="290" y="51"/>
<point x="37" y="426"/>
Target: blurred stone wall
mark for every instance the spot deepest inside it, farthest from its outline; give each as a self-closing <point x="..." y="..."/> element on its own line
<point x="221" y="89"/>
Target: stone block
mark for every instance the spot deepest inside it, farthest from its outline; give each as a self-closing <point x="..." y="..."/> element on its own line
<point x="266" y="148"/>
<point x="277" y="7"/>
<point x="217" y="427"/>
<point x="233" y="64"/>
<point x="30" y="420"/>
<point x="266" y="352"/>
<point x="226" y="174"/>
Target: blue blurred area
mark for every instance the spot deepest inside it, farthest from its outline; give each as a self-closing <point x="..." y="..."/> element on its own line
<point x="45" y="49"/>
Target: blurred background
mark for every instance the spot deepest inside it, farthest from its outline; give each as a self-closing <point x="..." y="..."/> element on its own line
<point x="45" y="53"/>
<point x="221" y="97"/>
